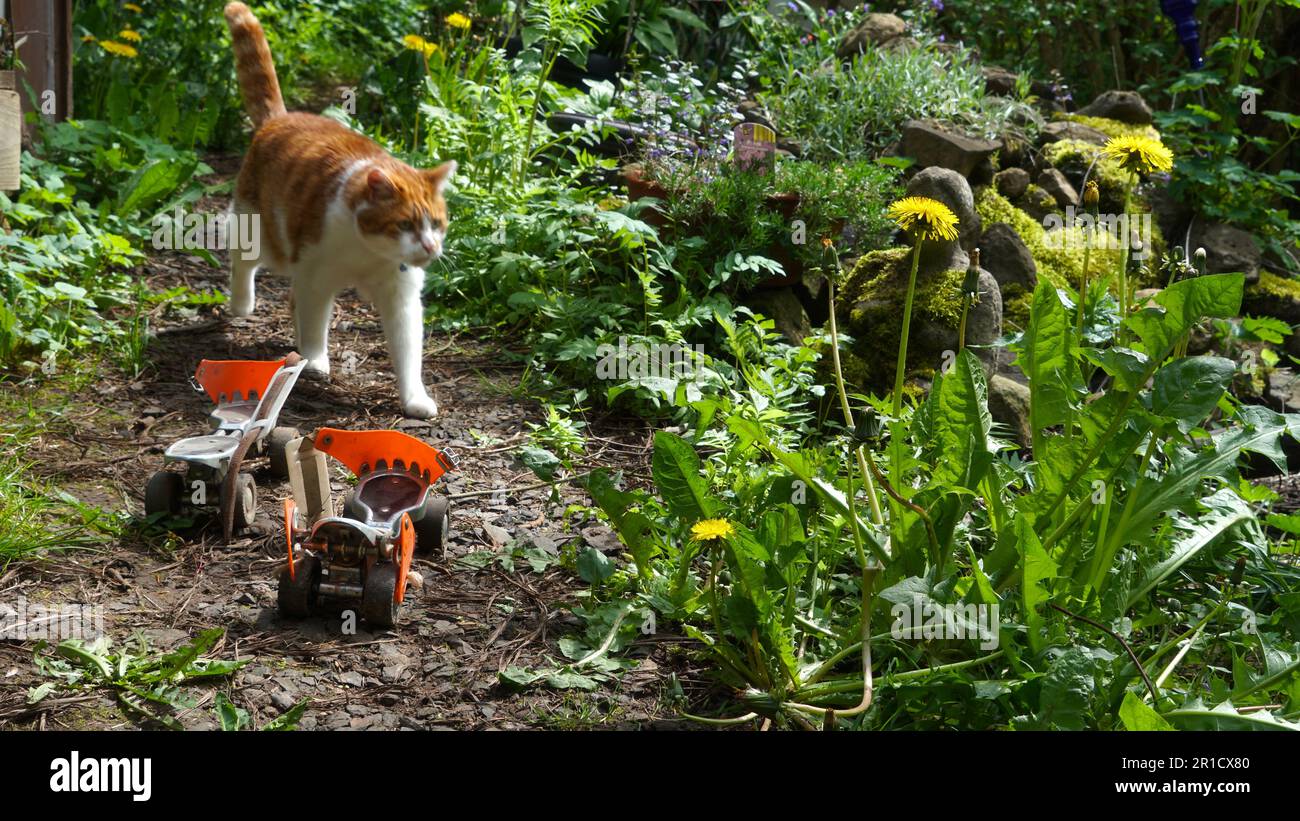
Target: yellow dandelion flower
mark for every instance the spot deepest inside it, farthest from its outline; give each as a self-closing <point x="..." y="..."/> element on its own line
<point x="457" y="21"/>
<point x="129" y="35"/>
<point x="120" y="49"/>
<point x="707" y="530"/>
<point x="88" y="38"/>
<point x="1139" y="154"/>
<point x="417" y="43"/>
<point x="929" y="218"/>
<point x="133" y="7"/>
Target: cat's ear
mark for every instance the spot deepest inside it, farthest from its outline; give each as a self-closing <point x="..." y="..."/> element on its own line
<point x="380" y="186"/>
<point x="438" y="177"/>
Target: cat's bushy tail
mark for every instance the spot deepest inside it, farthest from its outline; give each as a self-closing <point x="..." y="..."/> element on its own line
<point x="253" y="65"/>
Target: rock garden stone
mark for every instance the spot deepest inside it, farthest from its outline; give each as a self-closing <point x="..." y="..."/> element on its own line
<point x="876" y="29"/>
<point x="1000" y="82"/>
<point x="1066" y="130"/>
<point x="1009" y="407"/>
<point x="1055" y="183"/>
<point x="1227" y="249"/>
<point x="950" y="188"/>
<point x="1004" y="254"/>
<point x="1011" y="182"/>
<point x="783" y="307"/>
<point x="1125" y="106"/>
<point x="1037" y="203"/>
<point x="931" y="144"/>
<point x="870" y="305"/>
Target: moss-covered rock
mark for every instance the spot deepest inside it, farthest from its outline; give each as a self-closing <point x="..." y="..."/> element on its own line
<point x="1058" y="254"/>
<point x="1076" y="157"/>
<point x="1037" y="202"/>
<point x="871" y="311"/>
<point x="1274" y="296"/>
<point x="1113" y="128"/>
<point x="1016" y="301"/>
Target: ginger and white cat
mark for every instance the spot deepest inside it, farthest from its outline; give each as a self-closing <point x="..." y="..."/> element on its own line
<point x="336" y="211"/>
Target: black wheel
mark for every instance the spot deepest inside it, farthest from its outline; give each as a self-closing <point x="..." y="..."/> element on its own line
<point x="431" y="528"/>
<point x="164" y="493"/>
<point x="276" y="442"/>
<point x="297" y="596"/>
<point x="377" y="605"/>
<point x="245" y="501"/>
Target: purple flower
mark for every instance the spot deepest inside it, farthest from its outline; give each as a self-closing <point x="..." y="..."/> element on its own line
<point x="937" y="5"/>
<point x="942" y="38"/>
<point x="792" y="7"/>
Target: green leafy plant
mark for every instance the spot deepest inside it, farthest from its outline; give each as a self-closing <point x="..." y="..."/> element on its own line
<point x="147" y="685"/>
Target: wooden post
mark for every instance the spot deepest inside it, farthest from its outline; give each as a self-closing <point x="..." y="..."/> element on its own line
<point x="45" y="27"/>
<point x="11" y="132"/>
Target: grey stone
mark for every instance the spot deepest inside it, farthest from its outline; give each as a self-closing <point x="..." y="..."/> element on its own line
<point x="1227" y="249"/>
<point x="1054" y="182"/>
<point x="1004" y="254"/>
<point x="1037" y="203"/>
<point x="1011" y="182"/>
<point x="784" y="308"/>
<point x="499" y="535"/>
<point x="950" y="188"/>
<point x="999" y="81"/>
<point x="1009" y="406"/>
<point x="933" y="145"/>
<point x="352" y="678"/>
<point x="1125" y="106"/>
<point x="876" y="29"/>
<point x="282" y="700"/>
<point x="1067" y="130"/>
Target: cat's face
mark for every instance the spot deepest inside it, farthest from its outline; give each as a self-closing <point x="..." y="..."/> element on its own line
<point x="403" y="216"/>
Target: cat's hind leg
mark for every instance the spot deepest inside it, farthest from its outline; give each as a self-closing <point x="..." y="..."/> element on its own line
<point x="244" y="261"/>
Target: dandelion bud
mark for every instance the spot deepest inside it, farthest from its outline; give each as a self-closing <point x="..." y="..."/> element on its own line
<point x="970" y="286"/>
<point x="1238" y="571"/>
<point x="1091" y="196"/>
<point x="1198" y="259"/>
<point x="867" y="427"/>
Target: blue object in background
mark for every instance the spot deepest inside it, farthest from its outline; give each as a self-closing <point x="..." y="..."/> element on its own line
<point x="1183" y="13"/>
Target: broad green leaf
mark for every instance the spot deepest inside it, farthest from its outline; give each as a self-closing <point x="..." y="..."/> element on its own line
<point x="1038" y="568"/>
<point x="1137" y="715"/>
<point x="637" y="532"/>
<point x="153" y="181"/>
<point x="1127" y="366"/>
<point x="540" y="461"/>
<point x="676" y="470"/>
<point x="960" y="425"/>
<point x="289" y="719"/>
<point x="1223" y="510"/>
<point x="1182" y="305"/>
<point x="1181" y="485"/>
<point x="1045" y="358"/>
<point x="1195" y="716"/>
<point x="1187" y="390"/>
<point x="231" y="716"/>
<point x="594" y="567"/>
<point x="1066" y="691"/>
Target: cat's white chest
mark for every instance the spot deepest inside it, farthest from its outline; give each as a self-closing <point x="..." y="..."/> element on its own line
<point x="341" y="257"/>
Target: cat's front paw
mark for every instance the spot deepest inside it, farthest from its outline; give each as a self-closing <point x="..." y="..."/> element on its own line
<point x="241" y="307"/>
<point x="318" y="367"/>
<point x="421" y="407"/>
